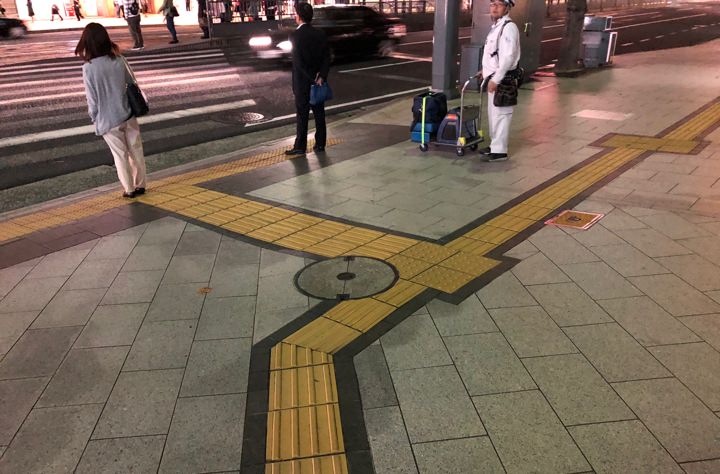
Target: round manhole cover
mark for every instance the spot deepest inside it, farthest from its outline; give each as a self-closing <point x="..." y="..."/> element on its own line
<point x="237" y="116"/>
<point x="346" y="278"/>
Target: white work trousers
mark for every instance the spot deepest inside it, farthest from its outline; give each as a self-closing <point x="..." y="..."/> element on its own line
<point x="126" y="145"/>
<point x="499" y="119"/>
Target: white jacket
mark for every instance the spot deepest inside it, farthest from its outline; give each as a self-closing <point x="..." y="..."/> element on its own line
<point x="508" y="48"/>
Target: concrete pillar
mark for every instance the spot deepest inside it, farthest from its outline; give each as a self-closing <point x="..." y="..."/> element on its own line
<point x="445" y="47"/>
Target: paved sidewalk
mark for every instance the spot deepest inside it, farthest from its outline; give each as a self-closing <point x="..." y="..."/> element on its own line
<point x="169" y="335"/>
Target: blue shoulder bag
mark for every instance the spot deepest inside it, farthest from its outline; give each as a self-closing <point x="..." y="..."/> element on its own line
<point x="320" y="94"/>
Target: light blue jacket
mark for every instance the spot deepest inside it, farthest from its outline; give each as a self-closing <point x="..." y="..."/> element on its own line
<point x="106" y="81"/>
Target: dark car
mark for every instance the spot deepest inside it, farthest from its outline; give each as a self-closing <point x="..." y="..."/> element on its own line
<point x="12" y="28"/>
<point x="350" y="30"/>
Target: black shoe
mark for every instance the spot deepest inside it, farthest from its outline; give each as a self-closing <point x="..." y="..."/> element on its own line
<point x="485" y="151"/>
<point x="295" y="151"/>
<point x="139" y="191"/>
<point x="319" y="149"/>
<point x="493" y="157"/>
<point x="173" y="42"/>
<point x="129" y="195"/>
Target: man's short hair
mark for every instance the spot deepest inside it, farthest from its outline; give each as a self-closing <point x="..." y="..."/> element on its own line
<point x="304" y="11"/>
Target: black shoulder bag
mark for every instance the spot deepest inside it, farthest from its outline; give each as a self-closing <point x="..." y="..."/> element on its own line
<point x="507" y="89"/>
<point x="136" y="98"/>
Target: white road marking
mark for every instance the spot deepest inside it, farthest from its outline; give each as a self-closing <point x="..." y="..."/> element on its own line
<point x="86" y="129"/>
<point x="410" y="57"/>
<point x="660" y="36"/>
<point x="550" y="40"/>
<point x="645" y="40"/>
<point x="380" y="65"/>
<point x="627" y="44"/>
<point x="428" y="41"/>
<point x="660" y="21"/>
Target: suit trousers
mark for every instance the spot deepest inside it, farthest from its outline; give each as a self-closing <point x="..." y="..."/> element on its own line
<point x="302" y="116"/>
<point x="126" y="146"/>
<point x="135" y="31"/>
<point x="499" y="119"/>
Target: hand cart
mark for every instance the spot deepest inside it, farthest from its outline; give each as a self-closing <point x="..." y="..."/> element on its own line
<point x="460" y="128"/>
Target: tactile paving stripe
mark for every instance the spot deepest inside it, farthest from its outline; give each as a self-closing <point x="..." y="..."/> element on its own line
<point x="302" y="386"/>
<point x="697" y="125"/>
<point x="669" y="145"/>
<point x="335" y="464"/>
<point x="304" y="432"/>
<point x="362" y="314"/>
<point x="288" y="356"/>
<point x="324" y="335"/>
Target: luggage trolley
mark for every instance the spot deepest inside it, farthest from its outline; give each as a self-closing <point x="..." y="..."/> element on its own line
<point x="460" y="127"/>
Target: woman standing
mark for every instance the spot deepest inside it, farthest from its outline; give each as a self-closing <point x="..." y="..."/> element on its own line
<point x="31" y="11"/>
<point x="106" y="75"/>
<point x="76" y="7"/>
<point x="170" y="12"/>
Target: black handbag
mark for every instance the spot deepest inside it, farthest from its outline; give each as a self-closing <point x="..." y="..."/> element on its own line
<point x="174" y="11"/>
<point x="136" y="98"/>
<point x="506" y="94"/>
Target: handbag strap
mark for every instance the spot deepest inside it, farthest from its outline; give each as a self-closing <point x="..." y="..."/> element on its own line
<point x="129" y="70"/>
<point x="497" y="44"/>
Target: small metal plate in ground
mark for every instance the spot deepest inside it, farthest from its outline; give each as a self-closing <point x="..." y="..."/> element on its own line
<point x="575" y="219"/>
<point x="346" y="278"/>
<point x="234" y="117"/>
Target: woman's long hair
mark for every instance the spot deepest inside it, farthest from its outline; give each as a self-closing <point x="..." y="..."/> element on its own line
<point x="95" y="42"/>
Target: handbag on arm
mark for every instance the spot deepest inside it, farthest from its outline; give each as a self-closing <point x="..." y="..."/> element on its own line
<point x="136" y="98"/>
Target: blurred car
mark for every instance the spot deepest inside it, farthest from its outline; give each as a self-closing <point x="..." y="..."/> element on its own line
<point x="12" y="28"/>
<point x="350" y="31"/>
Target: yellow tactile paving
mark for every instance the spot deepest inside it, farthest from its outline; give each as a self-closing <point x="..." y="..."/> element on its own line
<point x="428" y="252"/>
<point x="444" y="279"/>
<point x="651" y="143"/>
<point x="402" y="292"/>
<point x="469" y="263"/>
<point x="408" y="267"/>
<point x="304" y="432"/>
<point x="362" y="314"/>
<point x="335" y="464"/>
<point x="288" y="356"/>
<point x="696" y="125"/>
<point x="324" y="335"/>
<point x="301" y="387"/>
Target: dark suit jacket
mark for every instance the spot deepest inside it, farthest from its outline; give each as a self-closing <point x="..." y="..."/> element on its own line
<point x="310" y="56"/>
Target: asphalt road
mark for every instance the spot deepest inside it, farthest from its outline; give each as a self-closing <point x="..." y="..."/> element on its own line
<point x="199" y="96"/>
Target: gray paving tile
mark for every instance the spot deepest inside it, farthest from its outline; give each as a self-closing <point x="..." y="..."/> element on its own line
<point x="95" y="274"/>
<point x="267" y="322"/>
<point x="217" y="367"/>
<point x="522" y="250"/>
<point x="676" y="296"/>
<point x="576" y="391"/>
<point x="31" y="295"/>
<point x="161" y="345"/>
<point x="615" y="354"/>
<point x="702" y="467"/>
<point x="141" y="403"/>
<point x="218" y="422"/>
<point x="391" y="452"/>
<point x="595" y="236"/>
<point x="468" y="317"/>
<point x="198" y="243"/>
<point x="527" y="434"/>
<point x="2" y="450"/>
<point x="376" y="387"/>
<point x="475" y="455"/>
<point x="133" y="287"/>
<point x="17" y="398"/>
<point x="708" y="247"/>
<point x="620" y="220"/>
<point x="236" y="281"/>
<point x="538" y="270"/>
<point x="487" y="364"/>
<point x="57" y="264"/>
<point x="695" y="270"/>
<point x="174" y="302"/>
<point x="69" y="308"/>
<point x="114" y="325"/>
<point x="51" y="440"/>
<point x="674" y="226"/>
<point x="628" y="261"/>
<point x="687" y="429"/>
<point x="12" y="326"/>
<point x="85" y="376"/>
<point x="233" y="253"/>
<point x="505" y="291"/>
<point x="568" y="305"/>
<point x="122" y="455"/>
<point x="563" y="249"/>
<point x="652" y="243"/>
<point x="278" y="292"/>
<point x="697" y="366"/>
<point x="38" y="352"/>
<point x="435" y="405"/>
<point x="706" y="326"/>
<point x="113" y="246"/>
<point x="149" y="257"/>
<point x="648" y="322"/>
<point x="531" y="332"/>
<point x="414" y="343"/>
<point x="623" y="446"/>
<point x="227" y="318"/>
<point x="165" y="231"/>
<point x="408" y="202"/>
<point x="189" y="269"/>
<point x="600" y="281"/>
<point x="11" y="276"/>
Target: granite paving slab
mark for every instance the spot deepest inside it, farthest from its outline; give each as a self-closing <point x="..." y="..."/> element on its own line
<point x="120" y="455"/>
<point x="389" y="441"/>
<point x="475" y="455"/>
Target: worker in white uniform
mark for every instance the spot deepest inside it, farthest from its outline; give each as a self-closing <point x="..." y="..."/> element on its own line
<point x="500" y="55"/>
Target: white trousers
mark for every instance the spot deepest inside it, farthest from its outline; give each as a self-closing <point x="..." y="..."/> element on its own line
<point x="499" y="119"/>
<point x="125" y="143"/>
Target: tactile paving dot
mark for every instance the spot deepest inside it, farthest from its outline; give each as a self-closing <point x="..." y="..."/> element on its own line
<point x="346" y="278"/>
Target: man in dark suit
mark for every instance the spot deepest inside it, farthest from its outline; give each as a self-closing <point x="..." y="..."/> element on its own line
<point x="311" y="64"/>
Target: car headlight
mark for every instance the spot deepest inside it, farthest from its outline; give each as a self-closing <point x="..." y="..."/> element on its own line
<point x="285" y="45"/>
<point x="256" y="41"/>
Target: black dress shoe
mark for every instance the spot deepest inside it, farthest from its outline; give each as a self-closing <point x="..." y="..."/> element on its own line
<point x="295" y="151"/>
<point x="139" y="191"/>
<point x="129" y="195"/>
<point x="319" y="148"/>
<point x="485" y="151"/>
<point x="493" y="157"/>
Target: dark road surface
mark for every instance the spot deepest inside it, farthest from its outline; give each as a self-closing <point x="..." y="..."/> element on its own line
<point x="199" y="96"/>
